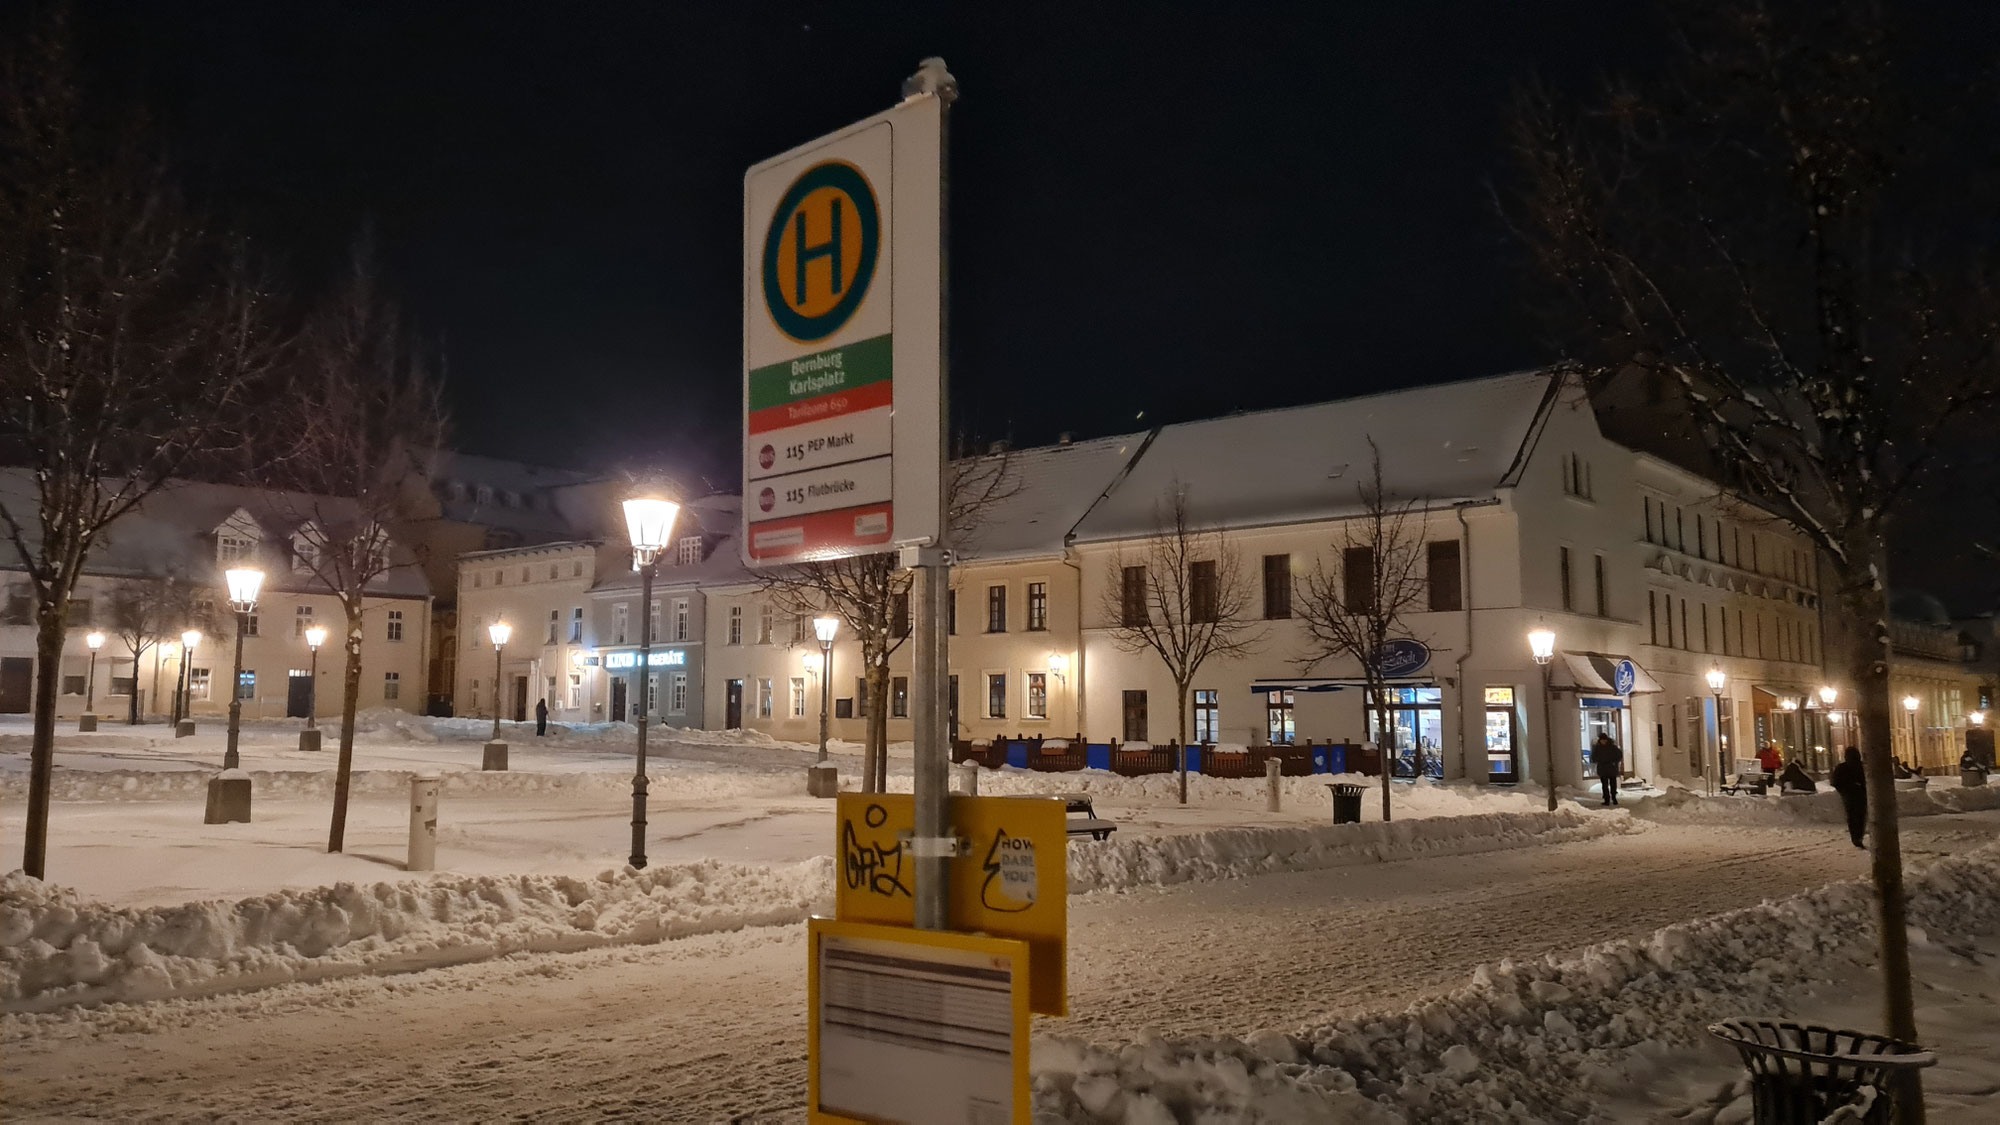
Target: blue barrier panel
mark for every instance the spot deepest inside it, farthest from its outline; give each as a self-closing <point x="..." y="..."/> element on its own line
<point x="1017" y="754"/>
<point x="1097" y="755"/>
<point x="1193" y="758"/>
<point x="1336" y="759"/>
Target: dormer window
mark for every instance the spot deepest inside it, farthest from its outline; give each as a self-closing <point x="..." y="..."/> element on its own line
<point x="232" y="549"/>
<point x="688" y="551"/>
<point x="485" y="494"/>
<point x="305" y="548"/>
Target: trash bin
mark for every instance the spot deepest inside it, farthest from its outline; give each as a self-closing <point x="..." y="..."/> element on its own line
<point x="1346" y="804"/>
<point x="1971" y="776"/>
<point x="1803" y="1073"/>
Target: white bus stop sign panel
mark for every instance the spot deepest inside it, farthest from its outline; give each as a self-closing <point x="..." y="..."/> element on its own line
<point x="840" y="332"/>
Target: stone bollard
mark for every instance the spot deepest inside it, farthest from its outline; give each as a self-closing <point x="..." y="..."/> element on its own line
<point x="228" y="798"/>
<point x="184" y="728"/>
<point x="1271" y="784"/>
<point x="423" y="822"/>
<point x="822" y="780"/>
<point x="496" y="757"/>
<point x="86" y="722"/>
<point x="309" y="740"/>
<point x="968" y="778"/>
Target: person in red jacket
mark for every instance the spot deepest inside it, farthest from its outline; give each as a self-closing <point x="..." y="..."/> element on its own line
<point x="1769" y="759"/>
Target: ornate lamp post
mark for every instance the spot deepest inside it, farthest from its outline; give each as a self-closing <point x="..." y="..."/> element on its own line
<point x="1910" y="705"/>
<point x="1827" y="694"/>
<point x="649" y="524"/>
<point x="1542" y="643"/>
<point x="823" y="780"/>
<point x="88" y="720"/>
<point x="1790" y="706"/>
<point x="229" y="793"/>
<point x="184" y="681"/>
<point x="309" y="737"/>
<point x="1716" y="681"/>
<point x="494" y="753"/>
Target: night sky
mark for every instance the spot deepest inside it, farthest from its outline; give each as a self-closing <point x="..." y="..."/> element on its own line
<point x="1159" y="213"/>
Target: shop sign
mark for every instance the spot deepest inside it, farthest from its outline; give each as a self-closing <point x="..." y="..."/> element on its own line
<point x="1625" y="677"/>
<point x="1402" y="658"/>
<point x="666" y="659"/>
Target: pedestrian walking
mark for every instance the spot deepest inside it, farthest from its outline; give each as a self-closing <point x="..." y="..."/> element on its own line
<point x="1851" y="782"/>
<point x="541" y="717"/>
<point x="1606" y="758"/>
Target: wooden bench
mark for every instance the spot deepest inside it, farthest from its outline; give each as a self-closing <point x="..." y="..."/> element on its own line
<point x="1083" y="820"/>
<point x="1749" y="776"/>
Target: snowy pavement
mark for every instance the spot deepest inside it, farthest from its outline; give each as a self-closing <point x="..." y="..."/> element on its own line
<point x="711" y="1027"/>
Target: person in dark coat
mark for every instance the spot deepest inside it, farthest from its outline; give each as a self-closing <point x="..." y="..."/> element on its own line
<point x="1851" y="782"/>
<point x="1605" y="758"/>
<point x="541" y="717"/>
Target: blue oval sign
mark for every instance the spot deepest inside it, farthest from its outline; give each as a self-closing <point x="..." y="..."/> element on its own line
<point x="1626" y="677"/>
<point x="1403" y="657"/>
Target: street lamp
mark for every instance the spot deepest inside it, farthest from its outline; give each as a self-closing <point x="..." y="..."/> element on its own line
<point x="498" y="632"/>
<point x="184" y="682"/>
<point x="1910" y="704"/>
<point x="1790" y="705"/>
<point x="1716" y="681"/>
<point x="94" y="641"/>
<point x="649" y="523"/>
<point x="1827" y="695"/>
<point x="825" y="629"/>
<point x="1542" y="643"/>
<point x="309" y="738"/>
<point x="244" y="582"/>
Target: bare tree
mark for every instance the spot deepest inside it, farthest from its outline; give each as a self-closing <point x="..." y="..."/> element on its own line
<point x="147" y="611"/>
<point x="1769" y="237"/>
<point x="871" y="596"/>
<point x="360" y="417"/>
<point x="1353" y="612"/>
<point x="127" y="337"/>
<point x="1182" y="596"/>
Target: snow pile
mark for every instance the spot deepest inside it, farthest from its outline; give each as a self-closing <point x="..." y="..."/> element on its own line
<point x="1229" y="853"/>
<point x="1684" y="806"/>
<point x="58" y="949"/>
<point x="1412" y="799"/>
<point x="673" y="780"/>
<point x="1547" y="1040"/>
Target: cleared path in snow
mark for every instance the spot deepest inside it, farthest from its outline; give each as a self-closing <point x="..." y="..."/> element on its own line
<point x="713" y="1027"/>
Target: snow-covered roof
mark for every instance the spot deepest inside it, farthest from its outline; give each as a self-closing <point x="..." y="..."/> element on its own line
<point x="1440" y="443"/>
<point x="173" y="533"/>
<point x="1052" y="486"/>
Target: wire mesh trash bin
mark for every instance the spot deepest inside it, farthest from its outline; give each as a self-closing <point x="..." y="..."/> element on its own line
<point x="1346" y="804"/>
<point x="1800" y="1073"/>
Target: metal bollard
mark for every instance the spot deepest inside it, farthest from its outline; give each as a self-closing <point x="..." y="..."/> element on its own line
<point x="1271" y="783"/>
<point x="968" y="778"/>
<point x="423" y="822"/>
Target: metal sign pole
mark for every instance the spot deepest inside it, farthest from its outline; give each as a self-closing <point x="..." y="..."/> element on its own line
<point x="931" y="584"/>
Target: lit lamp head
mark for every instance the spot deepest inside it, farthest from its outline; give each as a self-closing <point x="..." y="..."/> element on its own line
<point x="499" y="631"/>
<point x="315" y="637"/>
<point x="94" y="640"/>
<point x="577" y="658"/>
<point x="1058" y="664"/>
<point x="244" y="582"/>
<point x="190" y="639"/>
<point x="824" y="628"/>
<point x="1827" y="695"/>
<point x="1910" y="704"/>
<point x="1542" y="642"/>
<point x="1715" y="680"/>
<point x="1976" y="718"/>
<point x="810" y="661"/>
<point x="1789" y="703"/>
<point x="649" y="523"/>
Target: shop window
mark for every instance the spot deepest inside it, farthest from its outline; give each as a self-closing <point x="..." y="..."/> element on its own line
<point x="1280" y="718"/>
<point x="1416" y="718"/>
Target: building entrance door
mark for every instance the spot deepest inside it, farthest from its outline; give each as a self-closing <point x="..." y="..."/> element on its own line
<point x="733" y="706"/>
<point x="617" y="699"/>
<point x="17" y="678"/>
<point x="520" y="699"/>
<point x="1502" y="737"/>
<point x="1598" y="718"/>
<point x="298" y="695"/>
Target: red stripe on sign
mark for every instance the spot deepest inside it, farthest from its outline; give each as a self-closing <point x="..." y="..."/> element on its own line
<point x="803" y="538"/>
<point x="868" y="396"/>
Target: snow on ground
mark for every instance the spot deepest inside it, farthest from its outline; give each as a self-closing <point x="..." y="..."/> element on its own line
<point x="1684" y="806"/>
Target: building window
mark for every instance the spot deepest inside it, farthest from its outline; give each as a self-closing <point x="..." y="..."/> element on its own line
<point x="302" y="619"/>
<point x="499" y="578"/>
<point x="575" y="700"/>
<point x="764" y="624"/>
<point x="1567" y="598"/>
<point x="1135" y="716"/>
<point x="687" y="552"/>
<point x="197" y="683"/>
<point x="764" y="697"/>
<point x="861" y="697"/>
<point x="996" y="609"/>
<point x="798" y="697"/>
<point x="1357" y="579"/>
<point x="395" y="624"/>
<point x="1647" y="503"/>
<point x="1680" y="531"/>
<point x="1700" y="536"/>
<point x="478" y="578"/>
<point x="526" y="577"/>
<point x="1603" y="594"/>
<point x="1132" y="596"/>
<point x="576" y="625"/>
<point x="1653" y="614"/>
<point x="621" y="622"/>
<point x="653" y="620"/>
<point x="736" y="624"/>
<point x="951" y="613"/>
<point x="392" y="686"/>
<point x="899" y="697"/>
<point x="1277" y="587"/>
<point x="1280" y="720"/>
<point x="1038" y="606"/>
<point x="1704" y="628"/>
<point x="899" y="613"/>
<point x="79" y="613"/>
<point x="681" y="619"/>
<point x="652" y="693"/>
<point x="1687" y="640"/>
<point x="1204" y="593"/>
<point x="246" y="684"/>
<point x="232" y="548"/>
<point x="475" y="697"/>
<point x="249" y="621"/>
<point x="555" y="625"/>
<point x="1207" y="707"/>
<point x="677" y="693"/>
<point x="1036" y="706"/>
<point x="996" y="695"/>
<point x="1441" y="568"/>
<point x="73" y="685"/>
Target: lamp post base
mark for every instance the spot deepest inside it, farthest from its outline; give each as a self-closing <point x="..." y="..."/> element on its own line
<point x="495" y="758"/>
<point x="822" y="780"/>
<point x="309" y="740"/>
<point x="184" y="728"/>
<point x="86" y="722"/>
<point x="228" y="798"/>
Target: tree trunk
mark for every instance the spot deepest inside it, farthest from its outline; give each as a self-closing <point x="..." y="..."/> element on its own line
<point x="132" y="697"/>
<point x="1180" y="736"/>
<point x="49" y="631"/>
<point x="350" y="695"/>
<point x="878" y="723"/>
<point x="1868" y="668"/>
<point x="1386" y="743"/>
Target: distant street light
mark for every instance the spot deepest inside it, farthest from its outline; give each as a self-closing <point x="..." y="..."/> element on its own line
<point x="184" y="682"/>
<point x="315" y="637"/>
<point x="95" y="641"/>
<point x="1542" y="643"/>
<point x="1716" y="681"/>
<point x="244" y="582"/>
<point x="649" y="524"/>
<point x="825" y="629"/>
<point x="1910" y="705"/>
<point x="498" y="632"/>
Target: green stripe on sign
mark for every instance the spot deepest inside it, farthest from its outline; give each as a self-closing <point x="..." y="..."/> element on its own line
<point x="821" y="373"/>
